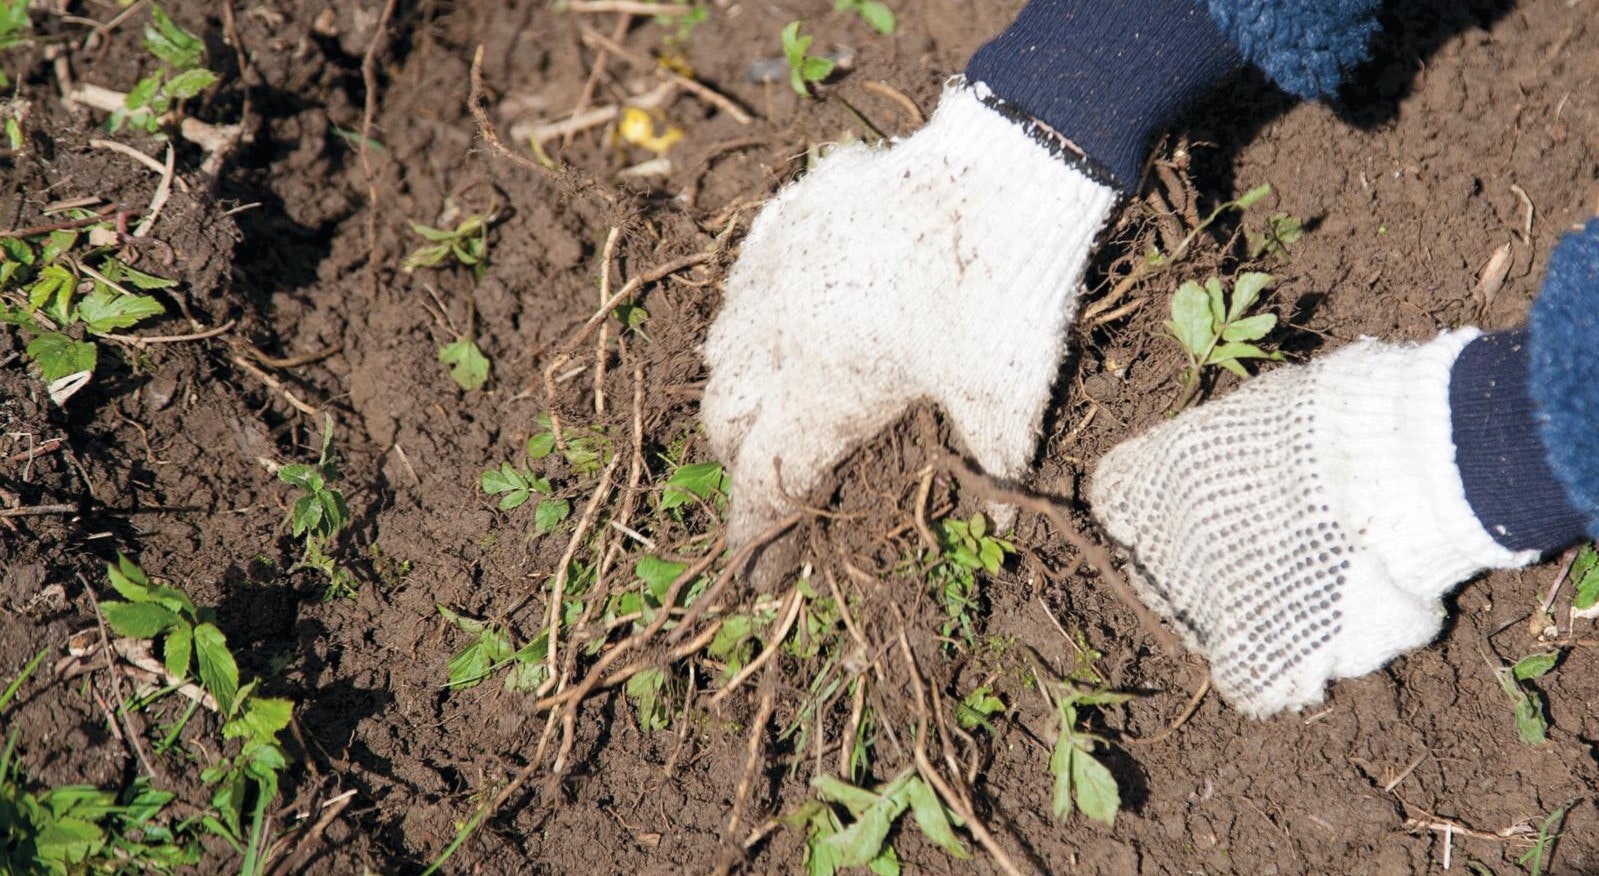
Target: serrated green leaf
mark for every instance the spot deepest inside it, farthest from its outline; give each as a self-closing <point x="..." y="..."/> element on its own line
<point x="469" y="368"/>
<point x="189" y="83"/>
<point x="658" y="575"/>
<point x="933" y="818"/>
<point x="104" y="309"/>
<point x="139" y="620"/>
<point x="462" y="622"/>
<point x="1095" y="789"/>
<point x="646" y="690"/>
<point x="978" y="706"/>
<point x="129" y="580"/>
<point x="550" y="513"/>
<point x="58" y="355"/>
<point x="468" y="667"/>
<point x="702" y="479"/>
<point x="1190" y="323"/>
<point x="219" y="674"/>
<point x="1246" y="291"/>
<point x="171" y="43"/>
<point x="541" y="445"/>
<point x="1249" y="198"/>
<point x="1250" y="328"/>
<point x="123" y="273"/>
<point x="817" y="69"/>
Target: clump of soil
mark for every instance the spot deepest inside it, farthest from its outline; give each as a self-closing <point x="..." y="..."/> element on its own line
<point x="1476" y="128"/>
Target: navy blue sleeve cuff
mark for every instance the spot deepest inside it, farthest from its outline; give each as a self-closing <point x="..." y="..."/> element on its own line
<point x="1503" y="462"/>
<point x="1106" y="75"/>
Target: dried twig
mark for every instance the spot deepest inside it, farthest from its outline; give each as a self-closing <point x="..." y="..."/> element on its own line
<point x="369" y="79"/>
<point x="703" y="92"/>
<point x="607" y="256"/>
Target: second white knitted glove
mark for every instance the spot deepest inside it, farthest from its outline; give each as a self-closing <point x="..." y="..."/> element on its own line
<point x="946" y="268"/>
<point x="1304" y="527"/>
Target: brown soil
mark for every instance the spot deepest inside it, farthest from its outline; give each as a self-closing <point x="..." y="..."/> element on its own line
<point x="1473" y="111"/>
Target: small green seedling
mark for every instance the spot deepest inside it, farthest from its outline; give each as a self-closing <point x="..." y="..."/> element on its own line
<point x="491" y="650"/>
<point x="1281" y="231"/>
<point x="61" y="286"/>
<point x="681" y="25"/>
<point x="804" y="70"/>
<point x="1216" y="331"/>
<point x="1531" y="724"/>
<point x="469" y="368"/>
<point x="831" y="845"/>
<point x="694" y="483"/>
<point x="15" y="28"/>
<point x="585" y="449"/>
<point x="189" y="640"/>
<point x="467" y="243"/>
<point x="515" y="486"/>
<point x="874" y="12"/>
<point x="1537" y="857"/>
<point x="183" y="75"/>
<point x="965" y="548"/>
<point x="319" y="515"/>
<point x="1082" y="783"/>
<point x="978" y="707"/>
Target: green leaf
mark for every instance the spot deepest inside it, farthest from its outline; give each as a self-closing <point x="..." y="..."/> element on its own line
<point x="104" y="309"/>
<point x="52" y="292"/>
<point x="59" y="356"/>
<point x="658" y="575"/>
<point x="646" y="689"/>
<point x="139" y="620"/>
<point x="817" y="69"/>
<point x="171" y="43"/>
<point x="178" y="649"/>
<point x="1246" y="291"/>
<point x="129" y="580"/>
<point x="541" y="445"/>
<point x="1095" y="789"/>
<point x="122" y="273"/>
<point x="1230" y="351"/>
<point x="266" y="716"/>
<point x="933" y="818"/>
<point x="1250" y="329"/>
<point x="877" y="15"/>
<point x="702" y="479"/>
<point x="978" y="706"/>
<point x="219" y="674"/>
<point x="550" y="513"/>
<point x="1530" y="723"/>
<point x="469" y="368"/>
<point x="1249" y="198"/>
<point x="794" y="45"/>
<point x="1585" y="572"/>
<point x="1191" y="323"/>
<point x="1534" y="665"/>
<point x="189" y="83"/>
<point x="1060" y="766"/>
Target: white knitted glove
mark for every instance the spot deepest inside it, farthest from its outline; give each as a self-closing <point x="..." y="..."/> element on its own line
<point x="1304" y="527"/>
<point x="946" y="267"/>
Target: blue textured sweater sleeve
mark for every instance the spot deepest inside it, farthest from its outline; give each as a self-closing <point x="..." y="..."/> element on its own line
<point x="1306" y="46"/>
<point x="1565" y="373"/>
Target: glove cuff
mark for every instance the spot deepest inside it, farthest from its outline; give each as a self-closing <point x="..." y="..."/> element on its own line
<point x="1502" y="462"/>
<point x="1565" y="374"/>
<point x="1391" y="455"/>
<point x="1104" y="74"/>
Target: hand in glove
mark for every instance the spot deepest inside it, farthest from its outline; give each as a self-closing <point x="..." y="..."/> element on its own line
<point x="944" y="268"/>
<point x="1305" y="527"/>
<point x="948" y="267"/>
